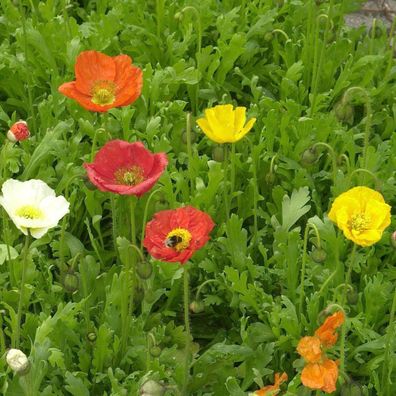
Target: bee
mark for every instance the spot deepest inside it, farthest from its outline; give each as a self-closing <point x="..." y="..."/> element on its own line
<point x="172" y="241"/>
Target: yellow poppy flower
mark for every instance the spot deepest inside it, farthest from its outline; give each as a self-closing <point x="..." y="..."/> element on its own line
<point x="223" y="124"/>
<point x="362" y="214"/>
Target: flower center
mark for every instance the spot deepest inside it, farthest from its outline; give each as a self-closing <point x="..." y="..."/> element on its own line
<point x="129" y="176"/>
<point x="30" y="212"/>
<point x="360" y="222"/>
<point x="178" y="239"/>
<point x="103" y="93"/>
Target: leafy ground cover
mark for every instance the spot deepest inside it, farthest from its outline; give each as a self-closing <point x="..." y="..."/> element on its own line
<point x="276" y="266"/>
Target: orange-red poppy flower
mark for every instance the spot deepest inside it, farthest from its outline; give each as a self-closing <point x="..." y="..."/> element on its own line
<point x="103" y="82"/>
<point x="321" y="376"/>
<point x="326" y="333"/>
<point x="272" y="389"/>
<point x="310" y="348"/>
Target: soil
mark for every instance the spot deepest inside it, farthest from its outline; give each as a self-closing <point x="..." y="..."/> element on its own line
<point x="383" y="10"/>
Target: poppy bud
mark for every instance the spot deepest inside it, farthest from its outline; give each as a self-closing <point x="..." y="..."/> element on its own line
<point x="91" y="336"/>
<point x="309" y="156"/>
<point x="270" y="178"/>
<point x="197" y="306"/>
<point x="193" y="137"/>
<point x="18" y="132"/>
<point x="318" y="255"/>
<point x="268" y="36"/>
<point x="218" y="153"/>
<point x="144" y="269"/>
<point x="351" y="389"/>
<point x="178" y="16"/>
<point x="344" y="112"/>
<point x="352" y="296"/>
<point x="18" y="361"/>
<point x="152" y="388"/>
<point x="393" y="239"/>
<point x="70" y="281"/>
<point x="155" y="351"/>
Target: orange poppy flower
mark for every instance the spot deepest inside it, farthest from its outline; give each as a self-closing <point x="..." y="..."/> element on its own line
<point x="310" y="348"/>
<point x="326" y="333"/>
<point x="272" y="389"/>
<point x="322" y="376"/>
<point x="104" y="82"/>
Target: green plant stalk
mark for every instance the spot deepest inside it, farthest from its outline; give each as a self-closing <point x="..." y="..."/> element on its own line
<point x="131" y="270"/>
<point x="202" y="285"/>
<point x="303" y="264"/>
<point x="189" y="153"/>
<point x="114" y="222"/>
<point x="232" y="176"/>
<point x="145" y="216"/>
<point x="388" y="344"/>
<point x="255" y="200"/>
<point x="225" y="183"/>
<point x="186" y="293"/>
<point x="333" y="157"/>
<point x="22" y="291"/>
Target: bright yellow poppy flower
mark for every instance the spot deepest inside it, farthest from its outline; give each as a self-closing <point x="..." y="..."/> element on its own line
<point x="362" y="214"/>
<point x="223" y="124"/>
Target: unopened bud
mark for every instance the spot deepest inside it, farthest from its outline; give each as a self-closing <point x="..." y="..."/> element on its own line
<point x="309" y="156"/>
<point x="155" y="351"/>
<point x="18" y="361"/>
<point x="144" y="269"/>
<point x="178" y="16"/>
<point x="318" y="255"/>
<point x="70" y="281"/>
<point x="344" y="112"/>
<point x="270" y="178"/>
<point x="268" y="36"/>
<point x="18" y="132"/>
<point x="197" y="306"/>
<point x="193" y="137"/>
<point x="393" y="239"/>
<point x="152" y="388"/>
<point x="352" y="296"/>
<point x="218" y="153"/>
<point x="91" y="336"/>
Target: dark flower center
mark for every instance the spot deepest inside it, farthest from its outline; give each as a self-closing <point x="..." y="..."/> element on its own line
<point x="129" y="176"/>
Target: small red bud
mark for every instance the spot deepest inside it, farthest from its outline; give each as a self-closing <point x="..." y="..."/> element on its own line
<point x="18" y="132"/>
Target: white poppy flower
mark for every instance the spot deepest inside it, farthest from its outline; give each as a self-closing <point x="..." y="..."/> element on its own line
<point x="33" y="206"/>
<point x="17" y="361"/>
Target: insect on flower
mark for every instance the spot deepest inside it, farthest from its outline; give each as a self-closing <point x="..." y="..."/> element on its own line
<point x="126" y="168"/>
<point x="223" y="124"/>
<point x="104" y="82"/>
<point x="33" y="206"/>
<point x="174" y="235"/>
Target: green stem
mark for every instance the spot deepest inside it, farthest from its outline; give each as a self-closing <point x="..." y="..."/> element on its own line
<point x="114" y="222"/>
<point x="388" y="343"/>
<point x="186" y="292"/>
<point x="327" y="282"/>
<point x="22" y="290"/>
<point x="131" y="270"/>
<point x="145" y="216"/>
<point x="303" y="264"/>
<point x="362" y="170"/>
<point x="202" y="285"/>
<point x="225" y="182"/>
<point x="189" y="152"/>
<point x="333" y="157"/>
<point x="232" y="177"/>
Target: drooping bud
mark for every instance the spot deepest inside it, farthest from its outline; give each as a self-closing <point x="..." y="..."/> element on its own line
<point x="18" y="361"/>
<point x="268" y="36"/>
<point x="309" y="156"/>
<point x="18" y="132"/>
<point x="152" y="388"/>
<point x="218" y="153"/>
<point x="318" y="255"/>
<point x="144" y="269"/>
<point x="155" y="351"/>
<point x="197" y="306"/>
<point x="70" y="281"/>
<point x="344" y="112"/>
<point x="91" y="336"/>
<point x="270" y="177"/>
<point x="393" y="239"/>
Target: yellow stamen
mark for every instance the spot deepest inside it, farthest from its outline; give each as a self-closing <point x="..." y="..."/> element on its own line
<point x="30" y="212"/>
<point x="129" y="176"/>
<point x="178" y="239"/>
<point x="103" y="93"/>
<point x="360" y="222"/>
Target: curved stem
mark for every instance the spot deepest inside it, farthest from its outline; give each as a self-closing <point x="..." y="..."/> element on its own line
<point x="333" y="157"/>
<point x="388" y="343"/>
<point x="327" y="281"/>
<point x="93" y="148"/>
<point x="362" y="170"/>
<point x="186" y="292"/>
<point x="22" y="290"/>
<point x="282" y="33"/>
<point x="202" y="285"/>
<point x="145" y="216"/>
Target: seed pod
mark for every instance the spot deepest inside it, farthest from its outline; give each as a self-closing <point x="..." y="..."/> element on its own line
<point x="344" y="112"/>
<point x="197" y="306"/>
<point x="144" y="269"/>
<point x="309" y="156"/>
<point x="70" y="281"/>
<point x="155" y="351"/>
<point x="218" y="153"/>
<point x="152" y="388"/>
<point x="18" y="132"/>
<point x="18" y="361"/>
<point x="318" y="255"/>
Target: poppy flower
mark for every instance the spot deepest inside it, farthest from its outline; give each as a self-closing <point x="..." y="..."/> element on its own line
<point x="320" y="372"/>
<point x="104" y="82"/>
<point x="223" y="124"/>
<point x="18" y="132"/>
<point x="174" y="235"/>
<point x="32" y="206"/>
<point x="362" y="214"/>
<point x="272" y="390"/>
<point x="126" y="168"/>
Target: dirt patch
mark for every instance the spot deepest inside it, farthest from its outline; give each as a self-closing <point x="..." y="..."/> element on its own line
<point x="384" y="10"/>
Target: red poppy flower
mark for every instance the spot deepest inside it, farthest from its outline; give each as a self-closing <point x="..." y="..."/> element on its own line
<point x="126" y="168"/>
<point x="174" y="235"/>
<point x="103" y="82"/>
<point x="18" y="132"/>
